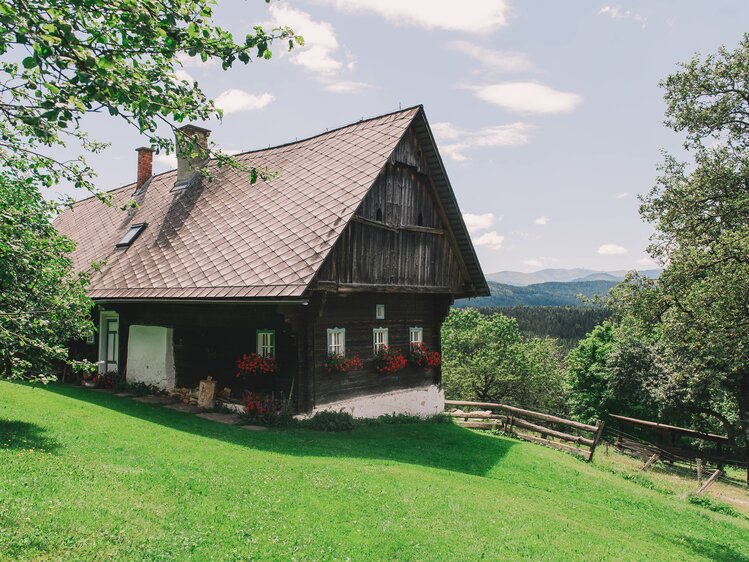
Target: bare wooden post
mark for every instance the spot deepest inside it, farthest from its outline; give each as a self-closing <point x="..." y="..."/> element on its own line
<point x="699" y="471"/>
<point x="709" y="482"/>
<point x="596" y="438"/>
<point x="650" y="462"/>
<point x="207" y="393"/>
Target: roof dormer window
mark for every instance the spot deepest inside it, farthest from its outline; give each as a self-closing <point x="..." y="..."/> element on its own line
<point x="130" y="236"/>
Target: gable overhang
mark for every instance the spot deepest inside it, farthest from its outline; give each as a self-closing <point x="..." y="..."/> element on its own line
<point x="479" y="286"/>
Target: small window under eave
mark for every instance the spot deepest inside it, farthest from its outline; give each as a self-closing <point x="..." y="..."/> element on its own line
<point x="130" y="236"/>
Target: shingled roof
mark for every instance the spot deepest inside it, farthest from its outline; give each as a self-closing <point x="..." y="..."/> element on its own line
<point x="228" y="239"/>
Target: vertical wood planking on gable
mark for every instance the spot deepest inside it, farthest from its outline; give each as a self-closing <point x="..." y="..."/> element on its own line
<point x="409" y="246"/>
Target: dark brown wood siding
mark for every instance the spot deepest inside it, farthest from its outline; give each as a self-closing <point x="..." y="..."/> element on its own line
<point x="356" y="313"/>
<point x="209" y="338"/>
<point x="399" y="236"/>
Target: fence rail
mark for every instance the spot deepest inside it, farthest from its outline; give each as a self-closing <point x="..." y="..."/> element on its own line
<point x="513" y="417"/>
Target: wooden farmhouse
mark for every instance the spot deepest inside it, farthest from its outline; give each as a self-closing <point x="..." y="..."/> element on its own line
<point x="356" y="242"/>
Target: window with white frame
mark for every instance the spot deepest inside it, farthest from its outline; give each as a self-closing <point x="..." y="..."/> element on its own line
<point x="266" y="343"/>
<point x="379" y="338"/>
<point x="380" y="312"/>
<point x="337" y="341"/>
<point x="416" y="335"/>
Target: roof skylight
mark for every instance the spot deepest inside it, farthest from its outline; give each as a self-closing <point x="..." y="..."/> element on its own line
<point x="130" y="236"/>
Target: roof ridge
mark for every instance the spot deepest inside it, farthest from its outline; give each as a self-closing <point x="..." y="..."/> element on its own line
<point x="329" y="131"/>
<point x="282" y="145"/>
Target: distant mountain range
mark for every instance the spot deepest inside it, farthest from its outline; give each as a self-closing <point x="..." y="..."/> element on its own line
<point x="539" y="294"/>
<point x="520" y="279"/>
<point x="548" y="287"/>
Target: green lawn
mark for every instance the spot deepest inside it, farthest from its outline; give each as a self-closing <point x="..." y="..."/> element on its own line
<point x="86" y="475"/>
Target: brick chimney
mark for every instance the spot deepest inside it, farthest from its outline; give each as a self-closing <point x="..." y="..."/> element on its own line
<point x="190" y="158"/>
<point x="145" y="166"/>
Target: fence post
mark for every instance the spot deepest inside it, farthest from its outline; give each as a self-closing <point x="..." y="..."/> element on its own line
<point x="699" y="471"/>
<point x="649" y="462"/>
<point x="709" y="482"/>
<point x="596" y="438"/>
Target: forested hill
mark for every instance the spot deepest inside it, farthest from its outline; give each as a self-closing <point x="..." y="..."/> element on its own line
<point x="567" y="324"/>
<point x="539" y="294"/>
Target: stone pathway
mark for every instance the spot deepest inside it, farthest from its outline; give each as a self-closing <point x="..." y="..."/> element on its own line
<point x="231" y="419"/>
<point x="154" y="399"/>
<point x="187" y="408"/>
<point x="172" y="403"/>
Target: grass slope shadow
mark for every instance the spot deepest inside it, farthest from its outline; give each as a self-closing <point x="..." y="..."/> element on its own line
<point x="443" y="446"/>
<point x="18" y="435"/>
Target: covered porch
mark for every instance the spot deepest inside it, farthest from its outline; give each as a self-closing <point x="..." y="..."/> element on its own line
<point x="176" y="345"/>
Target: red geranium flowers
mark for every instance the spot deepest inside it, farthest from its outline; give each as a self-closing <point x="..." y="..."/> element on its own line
<point x="388" y="361"/>
<point x="254" y="364"/>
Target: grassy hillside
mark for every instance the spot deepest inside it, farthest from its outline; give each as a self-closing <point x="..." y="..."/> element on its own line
<point x="87" y="475"/>
<point x="539" y="294"/>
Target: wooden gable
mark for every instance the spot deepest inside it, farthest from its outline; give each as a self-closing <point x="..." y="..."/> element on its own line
<point x="399" y="238"/>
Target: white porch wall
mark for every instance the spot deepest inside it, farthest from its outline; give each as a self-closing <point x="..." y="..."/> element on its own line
<point x="150" y="356"/>
<point x="424" y="401"/>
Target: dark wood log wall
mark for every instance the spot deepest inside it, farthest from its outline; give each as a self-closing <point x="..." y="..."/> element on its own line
<point x="356" y="313"/>
<point x="398" y="237"/>
<point x="210" y="337"/>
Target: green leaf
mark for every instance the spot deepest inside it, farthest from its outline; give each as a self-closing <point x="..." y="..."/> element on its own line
<point x="29" y="62"/>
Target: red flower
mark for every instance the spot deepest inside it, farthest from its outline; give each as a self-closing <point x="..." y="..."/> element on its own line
<point x="421" y="357"/>
<point x="336" y="362"/>
<point x="255" y="364"/>
<point x="387" y="360"/>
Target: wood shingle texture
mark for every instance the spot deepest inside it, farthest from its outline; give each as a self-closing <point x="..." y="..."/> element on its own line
<point x="226" y="238"/>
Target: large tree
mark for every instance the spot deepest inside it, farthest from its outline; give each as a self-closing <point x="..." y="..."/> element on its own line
<point x="64" y="60"/>
<point x="61" y="61"/>
<point x="43" y="303"/>
<point x="699" y="308"/>
<point x="486" y="358"/>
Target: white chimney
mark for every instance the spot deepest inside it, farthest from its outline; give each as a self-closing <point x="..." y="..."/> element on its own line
<point x="192" y="151"/>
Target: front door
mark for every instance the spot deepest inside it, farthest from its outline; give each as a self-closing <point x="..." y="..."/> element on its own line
<point x="109" y="349"/>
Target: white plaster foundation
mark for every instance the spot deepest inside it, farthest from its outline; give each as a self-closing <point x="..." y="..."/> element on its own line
<point x="424" y="401"/>
<point x="150" y="356"/>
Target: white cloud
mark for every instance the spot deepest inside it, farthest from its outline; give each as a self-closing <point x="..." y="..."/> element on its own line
<point x="646" y="262"/>
<point x="167" y="160"/>
<point x="528" y="97"/>
<point x="541" y="221"/>
<point x="612" y="250"/>
<point x="541" y="261"/>
<point x="507" y="61"/>
<point x="320" y="51"/>
<point x="455" y="142"/>
<point x="183" y="75"/>
<point x="346" y="87"/>
<point x="491" y="240"/>
<point x="480" y="16"/>
<point x="234" y="100"/>
<point x="622" y="195"/>
<point x="322" y="54"/>
<point x="617" y="13"/>
<point x="476" y="223"/>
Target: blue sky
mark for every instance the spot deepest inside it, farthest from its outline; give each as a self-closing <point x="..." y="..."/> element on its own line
<point x="548" y="115"/>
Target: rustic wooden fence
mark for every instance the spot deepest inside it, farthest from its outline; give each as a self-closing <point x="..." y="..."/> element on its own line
<point x="509" y="418"/>
<point x="661" y="444"/>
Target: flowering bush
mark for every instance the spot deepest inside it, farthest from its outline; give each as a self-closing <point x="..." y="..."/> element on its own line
<point x="388" y="361"/>
<point x="255" y="364"/>
<point x="422" y="358"/>
<point x="336" y="362"/>
<point x="265" y="408"/>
